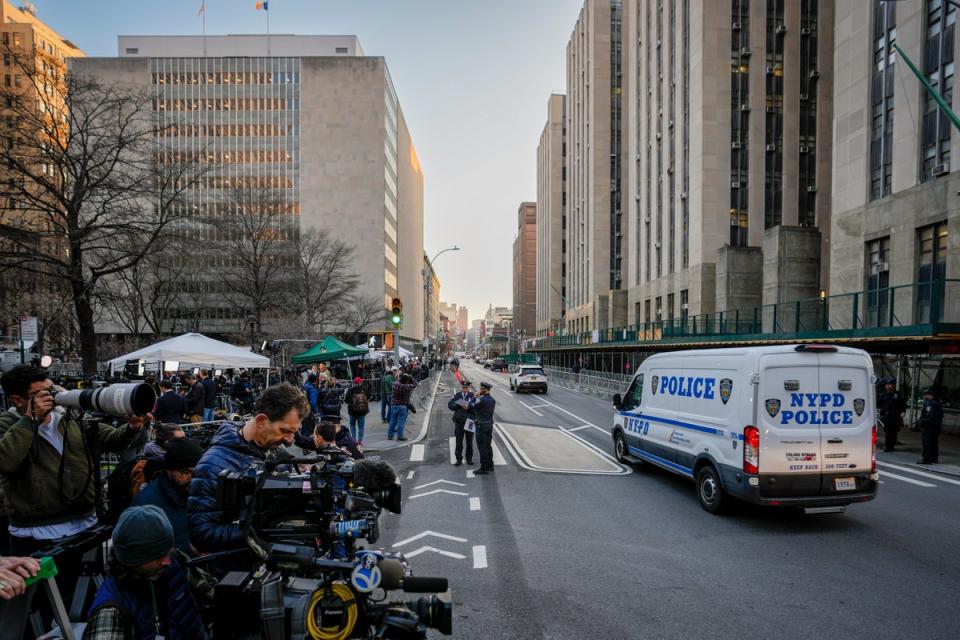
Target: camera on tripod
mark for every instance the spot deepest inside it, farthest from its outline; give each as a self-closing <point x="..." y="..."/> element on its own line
<point x="313" y="580"/>
<point x="131" y="399"/>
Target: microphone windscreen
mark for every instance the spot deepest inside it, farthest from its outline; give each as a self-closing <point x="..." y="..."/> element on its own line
<point x="413" y="584"/>
<point x="374" y="475"/>
<point x="391" y="571"/>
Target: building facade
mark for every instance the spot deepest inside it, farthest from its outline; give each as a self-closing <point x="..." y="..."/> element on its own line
<point x="525" y="271"/>
<point x="312" y="119"/>
<point x="596" y="224"/>
<point x="896" y="179"/>
<point x="432" y="330"/>
<point x="552" y="219"/>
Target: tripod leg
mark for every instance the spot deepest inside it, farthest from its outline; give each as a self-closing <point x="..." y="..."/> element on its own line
<point x="59" y="612"/>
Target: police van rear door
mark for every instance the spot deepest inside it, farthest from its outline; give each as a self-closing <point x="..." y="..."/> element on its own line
<point x="847" y="429"/>
<point x="789" y="390"/>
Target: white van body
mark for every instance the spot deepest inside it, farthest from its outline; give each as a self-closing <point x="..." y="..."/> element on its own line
<point x="788" y="425"/>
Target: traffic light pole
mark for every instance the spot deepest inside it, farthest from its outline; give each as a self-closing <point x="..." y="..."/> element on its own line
<point x="396" y="345"/>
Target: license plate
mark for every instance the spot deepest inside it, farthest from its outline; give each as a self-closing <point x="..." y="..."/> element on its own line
<point x="845" y="484"/>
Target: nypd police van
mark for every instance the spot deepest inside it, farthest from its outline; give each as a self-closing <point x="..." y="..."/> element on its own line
<point x="779" y="426"/>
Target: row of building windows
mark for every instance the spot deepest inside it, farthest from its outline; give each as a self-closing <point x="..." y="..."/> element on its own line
<point x="226" y="131"/>
<point x="807" y="165"/>
<point x="773" y="161"/>
<point x="228" y="78"/>
<point x="229" y="208"/>
<point x="616" y="234"/>
<point x="225" y="104"/>
<point x="740" y="119"/>
<point x="258" y="156"/>
<point x="882" y="98"/>
<point x="668" y="314"/>
<point x="938" y="68"/>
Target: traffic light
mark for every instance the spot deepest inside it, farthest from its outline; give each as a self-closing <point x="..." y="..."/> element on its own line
<point x="396" y="312"/>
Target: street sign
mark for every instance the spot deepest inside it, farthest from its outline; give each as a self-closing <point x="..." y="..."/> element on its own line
<point x="29" y="331"/>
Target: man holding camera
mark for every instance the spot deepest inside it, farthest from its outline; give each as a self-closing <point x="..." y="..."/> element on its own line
<point x="48" y="469"/>
<point x="276" y="420"/>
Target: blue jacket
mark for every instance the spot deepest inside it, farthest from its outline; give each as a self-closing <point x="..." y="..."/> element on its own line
<point x="210" y="391"/>
<point x="211" y="529"/>
<point x="483" y="407"/>
<point x="312" y="393"/>
<point x="178" y="611"/>
<point x="162" y="493"/>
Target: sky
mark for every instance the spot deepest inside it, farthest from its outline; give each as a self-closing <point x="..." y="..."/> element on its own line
<point x="473" y="78"/>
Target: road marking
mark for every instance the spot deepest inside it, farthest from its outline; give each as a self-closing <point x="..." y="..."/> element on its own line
<point x="453" y="447"/>
<point x="449" y="554"/>
<point x="585" y="423"/>
<point x="410" y="476"/>
<point x="538" y="406"/>
<point x="424" y="534"/>
<point x="531" y="408"/>
<point x="430" y="484"/>
<point x="479" y="557"/>
<point x="586" y="426"/>
<point x="497" y="456"/>
<point x="887" y="474"/>
<point x="474" y="504"/>
<point x="435" y="491"/>
<point x="417" y="452"/>
<point x="920" y="473"/>
<point x="470" y="474"/>
<point x="524" y="460"/>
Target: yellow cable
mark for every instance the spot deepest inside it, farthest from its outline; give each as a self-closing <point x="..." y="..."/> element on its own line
<point x="344" y="593"/>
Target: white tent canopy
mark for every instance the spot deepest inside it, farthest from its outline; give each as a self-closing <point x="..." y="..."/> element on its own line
<point x="196" y="350"/>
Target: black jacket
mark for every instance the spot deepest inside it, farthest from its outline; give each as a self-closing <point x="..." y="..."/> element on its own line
<point x="483" y="407"/>
<point x="210" y="392"/>
<point x="170" y="407"/>
<point x="351" y="392"/>
<point x="931" y="416"/>
<point x="194" y="399"/>
<point x="460" y="415"/>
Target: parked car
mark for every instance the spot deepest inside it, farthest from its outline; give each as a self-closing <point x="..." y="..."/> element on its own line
<point x="528" y="377"/>
<point x="497" y="364"/>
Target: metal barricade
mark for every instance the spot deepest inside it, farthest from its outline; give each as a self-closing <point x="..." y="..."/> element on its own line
<point x="596" y="382"/>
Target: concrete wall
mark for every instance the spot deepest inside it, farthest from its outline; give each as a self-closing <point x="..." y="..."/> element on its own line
<point x="739" y="277"/>
<point x="410" y="233"/>
<point x="551" y="187"/>
<point x="791" y="264"/>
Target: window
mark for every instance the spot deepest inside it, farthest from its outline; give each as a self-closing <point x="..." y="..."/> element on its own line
<point x="6" y="80"/>
<point x="342" y="50"/>
<point x="931" y="272"/>
<point x="646" y="311"/>
<point x="659" y="308"/>
<point x="938" y="67"/>
<point x="739" y="119"/>
<point x="18" y="80"/>
<point x="133" y="50"/>
<point x="670" y="300"/>
<point x="684" y="307"/>
<point x="634" y="395"/>
<point x="16" y="39"/>
<point x="773" y="163"/>
<point x="6" y="59"/>
<point x="878" y="281"/>
<point x="884" y="57"/>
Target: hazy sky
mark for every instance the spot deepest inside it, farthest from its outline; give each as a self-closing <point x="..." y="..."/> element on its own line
<point x="473" y="78"/>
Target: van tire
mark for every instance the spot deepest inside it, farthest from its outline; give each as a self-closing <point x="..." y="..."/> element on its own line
<point x="710" y="490"/>
<point x="620" y="448"/>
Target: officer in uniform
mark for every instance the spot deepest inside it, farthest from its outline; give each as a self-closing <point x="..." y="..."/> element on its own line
<point x="483" y="406"/>
<point x="460" y="417"/>
<point x="931" y="417"/>
<point x="892" y="406"/>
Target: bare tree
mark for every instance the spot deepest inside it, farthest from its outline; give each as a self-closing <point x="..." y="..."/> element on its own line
<point x="324" y="278"/>
<point x="357" y="314"/>
<point x="90" y="187"/>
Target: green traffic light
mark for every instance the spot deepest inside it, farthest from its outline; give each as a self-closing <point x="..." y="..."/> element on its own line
<point x="396" y="319"/>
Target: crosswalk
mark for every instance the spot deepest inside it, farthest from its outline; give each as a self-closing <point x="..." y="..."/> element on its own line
<point x="917" y="478"/>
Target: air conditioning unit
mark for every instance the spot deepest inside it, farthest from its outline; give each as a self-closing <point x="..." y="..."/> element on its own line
<point x="804" y="96"/>
<point x="804" y="31"/>
<point x="660" y="112"/>
<point x="769" y="71"/>
<point x="656" y="245"/>
<point x="658" y="44"/>
<point x="879" y="267"/>
<point x="781" y="29"/>
<point x="684" y="306"/>
<point x="735" y="145"/>
<point x="646" y="219"/>
<point x="637" y="197"/>
<point x="812" y="188"/>
<point x="659" y="135"/>
<point x="814" y="74"/>
<point x="771" y="147"/>
<point x="804" y="149"/>
<point x="771" y="108"/>
<point x="745" y="107"/>
<point x="745" y="52"/>
<point x="683" y="195"/>
<point x="670" y="124"/>
<point x="734" y="184"/>
<point x="941" y="169"/>
<point x="670" y="171"/>
<point x="735" y="26"/>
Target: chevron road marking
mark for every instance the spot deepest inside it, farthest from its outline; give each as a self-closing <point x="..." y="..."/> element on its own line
<point x="430" y="493"/>
<point x="424" y="534"/>
<point x="430" y="484"/>
<point x="449" y="554"/>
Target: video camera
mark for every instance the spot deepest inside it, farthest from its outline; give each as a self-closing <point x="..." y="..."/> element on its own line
<point x="312" y="580"/>
<point x="134" y="398"/>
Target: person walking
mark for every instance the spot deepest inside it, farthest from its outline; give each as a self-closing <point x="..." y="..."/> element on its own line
<point x="388" y="382"/>
<point x="313" y="397"/>
<point x="210" y="393"/>
<point x="399" y="402"/>
<point x="483" y="406"/>
<point x="194" y="399"/>
<point x="331" y="401"/>
<point x="892" y="406"/>
<point x="931" y="419"/>
<point x="170" y="406"/>
<point x="358" y="406"/>
<point x="460" y="416"/>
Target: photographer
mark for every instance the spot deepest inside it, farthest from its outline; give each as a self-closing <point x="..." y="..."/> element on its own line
<point x="47" y="469"/>
<point x="277" y="416"/>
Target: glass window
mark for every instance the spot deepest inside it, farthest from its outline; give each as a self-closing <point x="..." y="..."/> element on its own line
<point x="878" y="281"/>
<point x="634" y="394"/>
<point x="931" y="272"/>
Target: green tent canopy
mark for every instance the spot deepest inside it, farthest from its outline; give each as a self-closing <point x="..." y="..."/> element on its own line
<point x="328" y="349"/>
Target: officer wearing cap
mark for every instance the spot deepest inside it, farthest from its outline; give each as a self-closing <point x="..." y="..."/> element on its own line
<point x="460" y="417"/>
<point x="483" y="406"/>
<point x="931" y="418"/>
<point x="891" y="406"/>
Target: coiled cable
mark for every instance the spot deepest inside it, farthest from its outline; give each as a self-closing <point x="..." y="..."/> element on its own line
<point x="351" y="610"/>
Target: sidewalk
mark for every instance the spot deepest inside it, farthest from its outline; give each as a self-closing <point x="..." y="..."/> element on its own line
<point x="908" y="452"/>
<point x="375" y="432"/>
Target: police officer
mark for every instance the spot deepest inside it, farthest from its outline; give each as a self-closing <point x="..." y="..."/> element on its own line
<point x="460" y="417"/>
<point x="931" y="417"/>
<point x="483" y="406"/>
<point x="892" y="406"/>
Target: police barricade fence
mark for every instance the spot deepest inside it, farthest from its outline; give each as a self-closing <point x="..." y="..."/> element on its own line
<point x="596" y="382"/>
<point x="421" y="395"/>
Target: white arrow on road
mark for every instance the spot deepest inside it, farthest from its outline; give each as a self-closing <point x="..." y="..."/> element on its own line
<point x="449" y="554"/>
<point x="429" y="533"/>
<point x="430" y="484"/>
<point x="430" y="493"/>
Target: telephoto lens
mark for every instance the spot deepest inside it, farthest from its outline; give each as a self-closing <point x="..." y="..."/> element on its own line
<point x="131" y="399"/>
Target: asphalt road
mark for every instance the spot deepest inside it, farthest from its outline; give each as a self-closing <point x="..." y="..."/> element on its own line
<point x="596" y="550"/>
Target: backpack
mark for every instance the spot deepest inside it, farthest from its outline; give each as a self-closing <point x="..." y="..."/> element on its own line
<point x="359" y="404"/>
<point x="125" y="482"/>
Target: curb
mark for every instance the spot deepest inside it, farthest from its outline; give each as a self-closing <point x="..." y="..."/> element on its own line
<point x="423" y="429"/>
<point x="931" y="469"/>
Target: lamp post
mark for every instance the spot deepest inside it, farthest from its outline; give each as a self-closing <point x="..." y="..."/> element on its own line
<point x="252" y="323"/>
<point x="428" y="291"/>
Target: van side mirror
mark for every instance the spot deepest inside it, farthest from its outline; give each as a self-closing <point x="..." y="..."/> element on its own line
<point x="617" y="401"/>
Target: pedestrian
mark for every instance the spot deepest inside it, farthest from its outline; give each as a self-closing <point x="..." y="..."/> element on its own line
<point x="388" y="381"/>
<point x="931" y="419"/>
<point x="461" y="414"/>
<point x="170" y="406"/>
<point x="194" y="399"/>
<point x="483" y="406"/>
<point x="170" y="488"/>
<point x="242" y="393"/>
<point x="358" y="406"/>
<point x="399" y="403"/>
<point x="210" y="393"/>
<point x="330" y="400"/>
<point x="891" y="405"/>
<point x="313" y="397"/>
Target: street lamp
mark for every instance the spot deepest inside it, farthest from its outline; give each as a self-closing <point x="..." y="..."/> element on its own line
<point x="428" y="291"/>
<point x="252" y="323"/>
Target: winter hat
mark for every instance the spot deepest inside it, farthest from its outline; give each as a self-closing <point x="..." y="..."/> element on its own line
<point x="358" y="380"/>
<point x="182" y="453"/>
<point x="142" y="534"/>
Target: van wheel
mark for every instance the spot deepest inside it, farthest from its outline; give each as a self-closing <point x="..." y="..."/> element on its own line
<point x="620" y="448"/>
<point x="710" y="490"/>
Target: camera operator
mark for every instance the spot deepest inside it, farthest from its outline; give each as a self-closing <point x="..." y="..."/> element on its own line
<point x="149" y="593"/>
<point x="276" y="420"/>
<point x="169" y="489"/>
<point x="48" y="473"/>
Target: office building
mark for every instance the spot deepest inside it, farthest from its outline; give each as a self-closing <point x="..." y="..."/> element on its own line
<point x="551" y="219"/>
<point x="596" y="223"/>
<point x="309" y="117"/>
<point x="525" y="271"/>
<point x="432" y="312"/>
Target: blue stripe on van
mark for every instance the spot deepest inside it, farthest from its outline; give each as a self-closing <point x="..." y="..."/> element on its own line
<point x="683" y="425"/>
<point x="673" y="466"/>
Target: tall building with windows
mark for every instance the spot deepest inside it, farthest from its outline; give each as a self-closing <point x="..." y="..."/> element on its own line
<point x="596" y="225"/>
<point x="525" y="271"/>
<point x="729" y="127"/>
<point x="552" y="219"/>
<point x="309" y="117"/>
<point x="895" y="181"/>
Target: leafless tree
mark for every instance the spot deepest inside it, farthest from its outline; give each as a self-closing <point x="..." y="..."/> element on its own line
<point x="324" y="278"/>
<point x="357" y="314"/>
<point x="90" y="187"/>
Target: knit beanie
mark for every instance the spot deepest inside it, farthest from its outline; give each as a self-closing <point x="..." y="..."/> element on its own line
<point x="182" y="453"/>
<point x="142" y="534"/>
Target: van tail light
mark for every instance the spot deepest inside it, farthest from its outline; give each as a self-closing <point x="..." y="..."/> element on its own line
<point x="751" y="450"/>
<point x="873" y="450"/>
